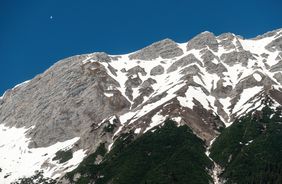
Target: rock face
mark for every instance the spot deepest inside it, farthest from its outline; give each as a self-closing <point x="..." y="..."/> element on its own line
<point x="66" y="98"/>
<point x="205" y="39"/>
<point x="184" y="61"/>
<point x="205" y="83"/>
<point x="165" y="49"/>
<point x="157" y="70"/>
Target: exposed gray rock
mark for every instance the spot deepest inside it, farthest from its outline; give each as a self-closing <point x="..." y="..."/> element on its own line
<point x="101" y="57"/>
<point x="264" y="55"/>
<point x="279" y="57"/>
<point x="205" y="39"/>
<point x="201" y="121"/>
<point x="250" y="81"/>
<point x="190" y="70"/>
<point x="226" y="36"/>
<point x="278" y="77"/>
<point x="276" y="94"/>
<point x="144" y="91"/>
<point x="226" y="41"/>
<point x="132" y="83"/>
<point x="157" y="70"/>
<point x="186" y="60"/>
<point x="210" y="66"/>
<point x="115" y="58"/>
<point x="275" y="45"/>
<point x="221" y="91"/>
<point x="166" y="49"/>
<point x="129" y="92"/>
<point x="277" y="67"/>
<point x="113" y="71"/>
<point x="148" y="82"/>
<point x="155" y="99"/>
<point x="239" y="46"/>
<point x="136" y="70"/>
<point x="62" y="102"/>
<point x="220" y="111"/>
<point x="265" y="64"/>
<point x="235" y="57"/>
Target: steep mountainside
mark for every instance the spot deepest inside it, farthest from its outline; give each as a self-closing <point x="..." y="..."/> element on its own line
<point x="54" y="121"/>
<point x="250" y="150"/>
<point x="168" y="154"/>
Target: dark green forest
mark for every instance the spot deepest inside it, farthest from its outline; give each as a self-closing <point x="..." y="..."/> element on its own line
<point x="250" y="149"/>
<point x="168" y="154"/>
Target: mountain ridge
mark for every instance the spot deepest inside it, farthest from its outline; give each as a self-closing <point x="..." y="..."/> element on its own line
<point x="205" y="83"/>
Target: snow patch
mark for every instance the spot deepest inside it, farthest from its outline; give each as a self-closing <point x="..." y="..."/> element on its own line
<point x="249" y="142"/>
<point x="137" y="130"/>
<point x="21" y="84"/>
<point x="108" y="94"/>
<point x="257" y="77"/>
<point x="2" y="97"/>
<point x="157" y="119"/>
<point x="21" y="161"/>
<point x="198" y="94"/>
<point x="110" y="146"/>
<point x="176" y="119"/>
<point x="245" y="96"/>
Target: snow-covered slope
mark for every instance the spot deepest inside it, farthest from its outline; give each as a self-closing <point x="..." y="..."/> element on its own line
<point x="242" y="67"/>
<point x="90" y="99"/>
<point x="17" y="160"/>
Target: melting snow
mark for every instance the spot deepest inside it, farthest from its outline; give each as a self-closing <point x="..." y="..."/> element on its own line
<point x="257" y="77"/>
<point x="245" y="96"/>
<point x="157" y="119"/>
<point x="137" y="130"/>
<point x="176" y="119"/>
<point x="199" y="95"/>
<point x="258" y="47"/>
<point x="108" y="94"/>
<point x="21" y="161"/>
<point x="249" y="142"/>
<point x="216" y="170"/>
<point x="110" y="146"/>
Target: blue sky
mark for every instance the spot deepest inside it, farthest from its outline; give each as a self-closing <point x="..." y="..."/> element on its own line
<point x="31" y="41"/>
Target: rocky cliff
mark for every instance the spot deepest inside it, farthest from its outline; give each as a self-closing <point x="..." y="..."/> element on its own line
<point x="83" y="101"/>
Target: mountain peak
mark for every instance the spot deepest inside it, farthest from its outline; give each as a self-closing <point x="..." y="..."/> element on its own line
<point x="88" y="100"/>
<point x="165" y="49"/>
<point x="203" y="39"/>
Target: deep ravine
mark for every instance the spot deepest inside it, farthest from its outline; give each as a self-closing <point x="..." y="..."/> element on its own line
<point x="216" y="170"/>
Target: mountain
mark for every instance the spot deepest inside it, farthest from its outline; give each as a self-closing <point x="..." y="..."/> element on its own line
<point x="96" y="113"/>
<point x="250" y="150"/>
